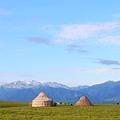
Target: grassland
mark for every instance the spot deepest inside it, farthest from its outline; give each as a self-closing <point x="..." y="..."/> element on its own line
<point x="21" y="111"/>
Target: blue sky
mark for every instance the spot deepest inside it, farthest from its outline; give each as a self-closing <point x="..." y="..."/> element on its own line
<point x="73" y="42"/>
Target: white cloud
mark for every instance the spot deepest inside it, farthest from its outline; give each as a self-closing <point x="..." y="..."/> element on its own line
<point x="74" y="32"/>
<point x="109" y="40"/>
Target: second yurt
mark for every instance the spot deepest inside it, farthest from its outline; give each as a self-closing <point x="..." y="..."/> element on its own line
<point x="83" y="101"/>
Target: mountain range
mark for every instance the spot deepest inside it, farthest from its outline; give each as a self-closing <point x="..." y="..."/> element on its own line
<point x="25" y="91"/>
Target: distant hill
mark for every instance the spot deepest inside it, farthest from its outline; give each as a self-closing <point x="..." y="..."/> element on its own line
<point x="25" y="91"/>
<point x="108" y="91"/>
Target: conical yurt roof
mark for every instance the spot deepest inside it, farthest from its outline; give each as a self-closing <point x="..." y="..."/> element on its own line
<point x="42" y="94"/>
<point x="83" y="101"/>
<point x="42" y="100"/>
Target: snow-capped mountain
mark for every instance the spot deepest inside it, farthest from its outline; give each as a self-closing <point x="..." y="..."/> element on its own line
<point x="55" y="85"/>
<point x="30" y="84"/>
<point x="20" y="84"/>
<point x="2" y="83"/>
<point x="33" y="83"/>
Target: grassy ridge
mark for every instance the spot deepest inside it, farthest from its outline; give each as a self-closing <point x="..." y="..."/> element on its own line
<point x="21" y="111"/>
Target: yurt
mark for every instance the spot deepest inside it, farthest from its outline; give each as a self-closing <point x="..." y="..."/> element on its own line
<point x="42" y="100"/>
<point x="83" y="101"/>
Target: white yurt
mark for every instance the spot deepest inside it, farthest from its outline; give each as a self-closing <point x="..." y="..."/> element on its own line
<point x="42" y="100"/>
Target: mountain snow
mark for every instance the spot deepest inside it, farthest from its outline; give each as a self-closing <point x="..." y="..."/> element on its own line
<point x="29" y="84"/>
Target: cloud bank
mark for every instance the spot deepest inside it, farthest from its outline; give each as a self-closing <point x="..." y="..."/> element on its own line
<point x="75" y="32"/>
<point x="89" y="33"/>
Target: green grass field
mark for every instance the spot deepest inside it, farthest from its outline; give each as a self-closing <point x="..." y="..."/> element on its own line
<point x="21" y="111"/>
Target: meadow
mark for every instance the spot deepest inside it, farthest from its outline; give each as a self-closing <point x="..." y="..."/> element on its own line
<point x="21" y="111"/>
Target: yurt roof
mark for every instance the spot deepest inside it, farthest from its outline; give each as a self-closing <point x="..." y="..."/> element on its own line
<point x="42" y="96"/>
<point x="83" y="101"/>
